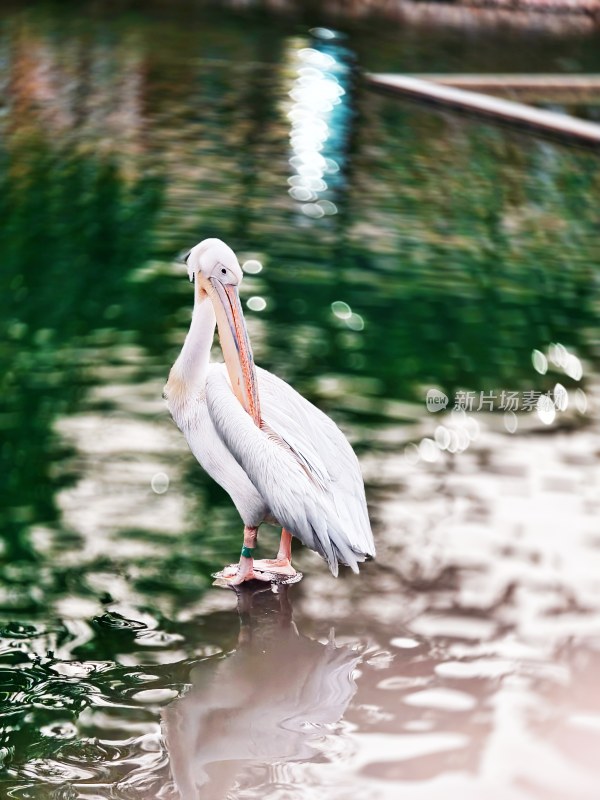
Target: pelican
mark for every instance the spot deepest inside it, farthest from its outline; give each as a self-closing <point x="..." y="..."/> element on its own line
<point x="280" y="459"/>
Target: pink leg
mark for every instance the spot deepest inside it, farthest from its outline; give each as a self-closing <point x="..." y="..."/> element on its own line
<point x="285" y="546"/>
<point x="282" y="565"/>
<point x="244" y="570"/>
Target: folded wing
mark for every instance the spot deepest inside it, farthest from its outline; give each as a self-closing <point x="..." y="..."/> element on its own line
<point x="302" y="465"/>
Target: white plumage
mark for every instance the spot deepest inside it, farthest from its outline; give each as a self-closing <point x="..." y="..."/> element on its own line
<point x="287" y="463"/>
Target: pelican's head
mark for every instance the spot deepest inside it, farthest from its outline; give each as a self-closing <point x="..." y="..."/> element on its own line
<point x="212" y="258"/>
<point x="217" y="274"/>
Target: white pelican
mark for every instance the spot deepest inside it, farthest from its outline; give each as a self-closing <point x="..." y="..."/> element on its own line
<point x="280" y="459"/>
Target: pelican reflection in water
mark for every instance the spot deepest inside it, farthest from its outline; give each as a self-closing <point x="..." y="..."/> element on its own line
<point x="280" y="459"/>
<point x="261" y="705"/>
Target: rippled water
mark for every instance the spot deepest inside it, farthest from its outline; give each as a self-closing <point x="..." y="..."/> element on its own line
<point x="390" y="250"/>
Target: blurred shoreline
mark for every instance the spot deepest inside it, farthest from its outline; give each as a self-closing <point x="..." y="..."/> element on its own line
<point x="561" y="16"/>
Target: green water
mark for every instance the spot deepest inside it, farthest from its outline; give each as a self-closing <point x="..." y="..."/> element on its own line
<point x="457" y="248"/>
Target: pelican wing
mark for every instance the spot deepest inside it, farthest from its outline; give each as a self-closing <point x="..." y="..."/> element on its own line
<point x="301" y="464"/>
<point x="310" y="431"/>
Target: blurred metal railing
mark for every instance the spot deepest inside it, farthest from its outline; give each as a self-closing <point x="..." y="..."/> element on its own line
<point x="437" y="91"/>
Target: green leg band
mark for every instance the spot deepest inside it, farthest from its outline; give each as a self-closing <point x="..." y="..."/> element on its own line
<point x="247" y="551"/>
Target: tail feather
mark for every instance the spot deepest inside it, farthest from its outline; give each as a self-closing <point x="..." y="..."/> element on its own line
<point x="345" y="554"/>
<point x="323" y="544"/>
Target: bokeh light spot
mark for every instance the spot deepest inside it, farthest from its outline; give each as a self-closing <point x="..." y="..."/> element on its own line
<point x="313" y="210"/>
<point x="301" y="193"/>
<point x="573" y="367"/>
<point x="511" y="421"/>
<point x="411" y="453"/>
<point x="581" y="401"/>
<point x="546" y="410"/>
<point x="561" y="397"/>
<point x="328" y="207"/>
<point x="160" y="482"/>
<point x="355" y="322"/>
<point x="540" y="362"/>
<point x="323" y="33"/>
<point x="341" y="310"/>
<point x="428" y="450"/>
<point x="256" y="303"/>
<point x="442" y="437"/>
<point x="252" y="266"/>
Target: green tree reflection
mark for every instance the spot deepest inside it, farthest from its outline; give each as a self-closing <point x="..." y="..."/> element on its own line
<point x="73" y="228"/>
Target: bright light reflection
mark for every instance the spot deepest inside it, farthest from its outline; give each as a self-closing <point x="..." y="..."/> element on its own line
<point x="252" y="266"/>
<point x="471" y="428"/>
<point x="561" y="358"/>
<point x="302" y="194"/>
<point x="341" y="310"/>
<point x="457" y="434"/>
<point x="328" y="207"/>
<point x="428" y="450"/>
<point x="160" y="483"/>
<point x="573" y="367"/>
<point x="558" y="355"/>
<point x="581" y="402"/>
<point x="323" y="33"/>
<point x="442" y="437"/>
<point x="318" y="121"/>
<point x="355" y="322"/>
<point x="463" y="440"/>
<point x="313" y="210"/>
<point x="546" y="410"/>
<point x="256" y="303"/>
<point x="540" y="362"/>
<point x="561" y="397"/>
<point x="452" y="446"/>
<point x="411" y="453"/>
<point x="511" y="421"/>
<point x="316" y="59"/>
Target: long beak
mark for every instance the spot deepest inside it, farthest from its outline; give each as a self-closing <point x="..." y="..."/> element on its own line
<point x="235" y="344"/>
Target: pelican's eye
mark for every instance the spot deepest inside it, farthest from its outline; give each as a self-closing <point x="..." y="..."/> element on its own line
<point x="224" y="274"/>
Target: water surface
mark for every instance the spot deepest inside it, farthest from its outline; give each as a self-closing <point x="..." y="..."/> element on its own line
<point x="390" y="250"/>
